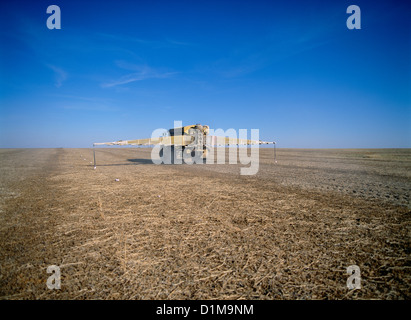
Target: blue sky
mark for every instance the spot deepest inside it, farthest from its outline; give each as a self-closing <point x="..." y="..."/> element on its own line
<point x="120" y="69"/>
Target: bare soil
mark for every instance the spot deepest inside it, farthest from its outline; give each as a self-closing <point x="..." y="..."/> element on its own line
<point x="205" y="231"/>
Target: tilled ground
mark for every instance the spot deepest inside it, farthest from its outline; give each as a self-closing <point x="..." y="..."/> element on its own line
<point x="204" y="231"/>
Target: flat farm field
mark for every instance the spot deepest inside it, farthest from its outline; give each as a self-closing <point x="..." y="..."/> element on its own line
<point x="130" y="229"/>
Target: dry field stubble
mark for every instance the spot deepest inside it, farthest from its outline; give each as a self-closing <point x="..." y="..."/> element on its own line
<point x="204" y="231"/>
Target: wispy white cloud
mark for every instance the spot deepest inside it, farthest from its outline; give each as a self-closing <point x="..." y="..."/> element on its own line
<point x="162" y="43"/>
<point x="122" y="37"/>
<point x="73" y="102"/>
<point x="141" y="72"/>
<point x="81" y="98"/>
<point x="179" y="43"/>
<point x="81" y="106"/>
<point x="60" y="75"/>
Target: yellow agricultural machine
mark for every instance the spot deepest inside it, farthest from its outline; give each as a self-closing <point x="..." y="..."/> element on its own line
<point x="187" y="141"/>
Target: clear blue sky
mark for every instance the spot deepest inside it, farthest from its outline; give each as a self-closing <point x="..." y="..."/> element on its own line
<point x="120" y="69"/>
